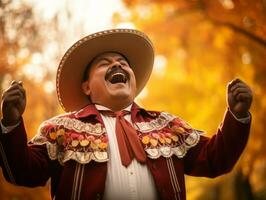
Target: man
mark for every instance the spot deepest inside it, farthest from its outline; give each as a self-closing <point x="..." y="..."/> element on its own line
<point x="107" y="147"/>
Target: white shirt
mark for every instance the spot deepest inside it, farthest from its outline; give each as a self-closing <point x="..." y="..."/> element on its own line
<point x="132" y="182"/>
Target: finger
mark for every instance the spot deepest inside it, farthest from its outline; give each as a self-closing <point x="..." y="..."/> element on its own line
<point x="20" y="83"/>
<point x="12" y="93"/>
<point x="12" y="87"/>
<point x="15" y="86"/>
<point x="13" y="82"/>
<point x="239" y="85"/>
<point x="236" y="80"/>
<point x="243" y="96"/>
<point x="233" y="82"/>
<point x="230" y="84"/>
<point x="14" y="98"/>
<point x="240" y="90"/>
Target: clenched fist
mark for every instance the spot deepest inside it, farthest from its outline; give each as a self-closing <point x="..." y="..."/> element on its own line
<point x="13" y="103"/>
<point x="239" y="98"/>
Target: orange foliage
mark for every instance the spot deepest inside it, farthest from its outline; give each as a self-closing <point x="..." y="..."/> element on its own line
<point x="200" y="47"/>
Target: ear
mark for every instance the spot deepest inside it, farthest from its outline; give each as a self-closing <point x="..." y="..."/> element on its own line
<point x="86" y="88"/>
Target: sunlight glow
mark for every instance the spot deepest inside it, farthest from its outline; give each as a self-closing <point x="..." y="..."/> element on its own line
<point x="34" y="69"/>
<point x="90" y="14"/>
<point x="246" y="58"/>
<point x="126" y="25"/>
<point x="143" y="94"/>
<point x="160" y="63"/>
<point x="227" y="4"/>
<point x="74" y="21"/>
<point x="49" y="87"/>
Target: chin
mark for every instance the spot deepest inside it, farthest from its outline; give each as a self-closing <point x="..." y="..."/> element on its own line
<point x="121" y="96"/>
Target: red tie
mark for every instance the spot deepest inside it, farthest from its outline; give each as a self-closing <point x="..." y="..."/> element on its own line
<point x="127" y="138"/>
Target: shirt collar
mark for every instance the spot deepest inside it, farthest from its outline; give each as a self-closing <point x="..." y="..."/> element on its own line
<point x="89" y="110"/>
<point x="101" y="107"/>
<point x="92" y="110"/>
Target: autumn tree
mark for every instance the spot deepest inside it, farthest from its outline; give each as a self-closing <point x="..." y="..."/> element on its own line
<point x="21" y="44"/>
<point x="200" y="46"/>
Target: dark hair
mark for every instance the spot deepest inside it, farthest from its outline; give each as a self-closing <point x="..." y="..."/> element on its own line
<point x="87" y="69"/>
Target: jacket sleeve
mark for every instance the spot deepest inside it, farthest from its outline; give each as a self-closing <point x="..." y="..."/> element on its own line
<point x="23" y="164"/>
<point x="217" y="155"/>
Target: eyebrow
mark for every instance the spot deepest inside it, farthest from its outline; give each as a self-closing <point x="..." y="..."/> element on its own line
<point x="109" y="60"/>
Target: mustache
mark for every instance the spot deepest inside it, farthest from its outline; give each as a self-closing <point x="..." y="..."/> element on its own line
<point x="114" y="70"/>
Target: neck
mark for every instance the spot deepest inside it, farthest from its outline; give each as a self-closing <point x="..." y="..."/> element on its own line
<point x="115" y="107"/>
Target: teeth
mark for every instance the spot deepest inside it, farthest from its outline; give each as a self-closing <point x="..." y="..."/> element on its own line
<point x="118" y="73"/>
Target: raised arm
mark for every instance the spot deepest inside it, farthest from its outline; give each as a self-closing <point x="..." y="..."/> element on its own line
<point x="217" y="155"/>
<point x="21" y="164"/>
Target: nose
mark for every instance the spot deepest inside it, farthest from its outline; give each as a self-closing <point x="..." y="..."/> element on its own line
<point x="115" y="64"/>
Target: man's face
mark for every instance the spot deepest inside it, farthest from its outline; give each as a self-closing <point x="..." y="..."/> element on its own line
<point x="111" y="81"/>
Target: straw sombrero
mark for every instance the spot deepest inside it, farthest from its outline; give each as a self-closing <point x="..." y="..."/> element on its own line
<point x="133" y="44"/>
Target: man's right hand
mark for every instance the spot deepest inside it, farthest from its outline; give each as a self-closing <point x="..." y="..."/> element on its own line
<point x="13" y="103"/>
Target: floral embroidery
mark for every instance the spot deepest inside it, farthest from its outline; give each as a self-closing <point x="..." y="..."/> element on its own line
<point x="71" y="139"/>
<point x="172" y="136"/>
<point x="68" y="138"/>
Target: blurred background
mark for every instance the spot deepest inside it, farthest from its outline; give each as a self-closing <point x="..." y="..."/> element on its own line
<point x="200" y="46"/>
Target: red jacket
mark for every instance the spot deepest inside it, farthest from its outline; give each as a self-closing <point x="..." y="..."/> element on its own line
<point x="71" y="149"/>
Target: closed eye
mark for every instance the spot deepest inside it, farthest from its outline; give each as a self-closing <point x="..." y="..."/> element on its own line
<point x="103" y="64"/>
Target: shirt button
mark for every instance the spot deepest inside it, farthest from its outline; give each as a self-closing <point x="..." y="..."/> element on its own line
<point x="131" y="173"/>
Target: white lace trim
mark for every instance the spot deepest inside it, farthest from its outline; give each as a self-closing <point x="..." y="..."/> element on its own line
<point x="180" y="150"/>
<point x="76" y="125"/>
<point x="80" y="157"/>
<point x="157" y="124"/>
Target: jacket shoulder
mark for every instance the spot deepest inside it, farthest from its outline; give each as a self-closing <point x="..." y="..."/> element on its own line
<point x="69" y="138"/>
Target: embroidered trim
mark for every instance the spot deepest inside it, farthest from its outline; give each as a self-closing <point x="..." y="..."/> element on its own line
<point x="81" y="180"/>
<point x="165" y="136"/>
<point x="6" y="165"/>
<point x="156" y="124"/>
<point x="67" y="139"/>
<point x="77" y="182"/>
<point x="173" y="178"/>
<point x="76" y="125"/>
<point x="179" y="149"/>
<point x="80" y="157"/>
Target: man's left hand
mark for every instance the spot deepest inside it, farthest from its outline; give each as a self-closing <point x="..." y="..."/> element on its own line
<point x="239" y="98"/>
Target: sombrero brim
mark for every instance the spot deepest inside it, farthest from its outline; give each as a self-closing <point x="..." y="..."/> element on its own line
<point x="133" y="44"/>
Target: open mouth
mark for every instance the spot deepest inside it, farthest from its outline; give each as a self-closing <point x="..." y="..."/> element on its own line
<point x="116" y="75"/>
